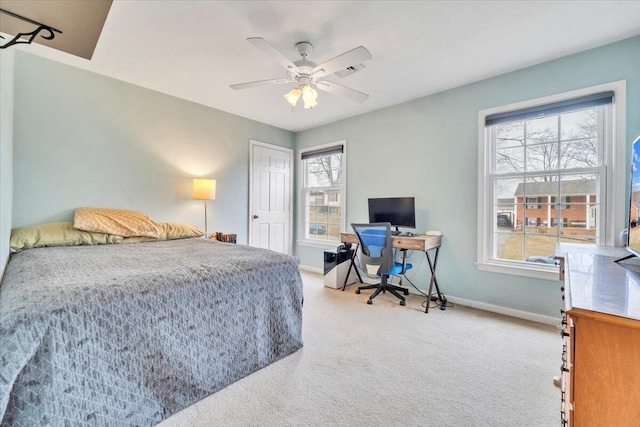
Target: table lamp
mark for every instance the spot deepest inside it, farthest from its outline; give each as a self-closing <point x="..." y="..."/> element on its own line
<point x="204" y="189"/>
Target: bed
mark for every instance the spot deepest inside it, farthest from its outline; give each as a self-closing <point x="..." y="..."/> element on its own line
<point x="120" y="334"/>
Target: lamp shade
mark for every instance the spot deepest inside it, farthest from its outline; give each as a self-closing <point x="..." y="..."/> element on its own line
<point x="309" y="96"/>
<point x="204" y="189"/>
<point x="293" y="96"/>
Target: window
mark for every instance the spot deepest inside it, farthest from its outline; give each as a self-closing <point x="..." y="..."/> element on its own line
<point x="565" y="202"/>
<point x="322" y="195"/>
<point x="554" y="222"/>
<point x="532" y="203"/>
<point x="548" y="163"/>
<point x="533" y="221"/>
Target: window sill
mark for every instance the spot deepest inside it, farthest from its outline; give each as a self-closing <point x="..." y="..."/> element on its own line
<point x="536" y="272"/>
<point x="321" y="244"/>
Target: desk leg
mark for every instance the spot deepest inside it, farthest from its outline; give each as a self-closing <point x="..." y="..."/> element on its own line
<point x="434" y="281"/>
<point x="352" y="265"/>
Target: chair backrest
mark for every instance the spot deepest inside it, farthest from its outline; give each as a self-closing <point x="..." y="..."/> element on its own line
<point x="377" y="247"/>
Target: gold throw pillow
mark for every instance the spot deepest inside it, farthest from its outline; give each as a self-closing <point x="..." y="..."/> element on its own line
<point x="120" y="222"/>
<point x="56" y="234"/>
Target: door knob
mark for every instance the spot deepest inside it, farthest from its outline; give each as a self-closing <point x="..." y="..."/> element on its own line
<point x="255" y="217"/>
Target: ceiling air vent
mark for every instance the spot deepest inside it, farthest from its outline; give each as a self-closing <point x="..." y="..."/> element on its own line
<point x="350" y="70"/>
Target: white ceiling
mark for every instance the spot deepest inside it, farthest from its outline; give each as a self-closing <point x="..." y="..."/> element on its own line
<point x="195" y="49"/>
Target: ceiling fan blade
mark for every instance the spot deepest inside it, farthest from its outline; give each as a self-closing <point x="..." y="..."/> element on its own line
<point x="343" y="61"/>
<point x="260" y="83"/>
<point x="337" y="89"/>
<point x="274" y="53"/>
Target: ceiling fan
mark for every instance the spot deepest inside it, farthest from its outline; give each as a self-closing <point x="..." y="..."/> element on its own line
<point x="308" y="75"/>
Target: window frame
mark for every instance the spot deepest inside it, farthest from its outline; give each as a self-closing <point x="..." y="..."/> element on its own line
<point x="613" y="187"/>
<point x="301" y="233"/>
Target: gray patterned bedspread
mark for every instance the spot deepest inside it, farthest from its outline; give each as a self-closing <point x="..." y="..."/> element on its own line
<point x="130" y="334"/>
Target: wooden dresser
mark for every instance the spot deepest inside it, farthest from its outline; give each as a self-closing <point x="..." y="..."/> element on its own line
<point x="600" y="380"/>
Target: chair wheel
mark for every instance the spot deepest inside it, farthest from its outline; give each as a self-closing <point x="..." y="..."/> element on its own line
<point x="358" y="291"/>
<point x="406" y="291"/>
<point x="369" y="302"/>
<point x="403" y="302"/>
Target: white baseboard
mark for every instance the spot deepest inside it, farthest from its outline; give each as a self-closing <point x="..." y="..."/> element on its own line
<point x="311" y="269"/>
<point x="534" y="317"/>
<point x="526" y="315"/>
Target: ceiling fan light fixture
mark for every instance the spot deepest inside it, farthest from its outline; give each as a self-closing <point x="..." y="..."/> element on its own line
<point x="293" y="96"/>
<point x="309" y="96"/>
<point x="308" y="75"/>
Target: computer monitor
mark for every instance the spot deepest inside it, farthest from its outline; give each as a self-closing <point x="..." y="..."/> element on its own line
<point x="399" y="211"/>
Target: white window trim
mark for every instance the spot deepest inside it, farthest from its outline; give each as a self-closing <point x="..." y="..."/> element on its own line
<point x="317" y="243"/>
<point x="614" y="207"/>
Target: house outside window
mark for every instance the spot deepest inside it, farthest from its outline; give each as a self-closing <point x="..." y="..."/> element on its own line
<point x="548" y="163"/>
<point x="322" y="214"/>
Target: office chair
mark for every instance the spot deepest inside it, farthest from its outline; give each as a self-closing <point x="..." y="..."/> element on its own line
<point x="376" y="259"/>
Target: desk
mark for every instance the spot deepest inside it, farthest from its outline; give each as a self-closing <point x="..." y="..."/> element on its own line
<point x="420" y="242"/>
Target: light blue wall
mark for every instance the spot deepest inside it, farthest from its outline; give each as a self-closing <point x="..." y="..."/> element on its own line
<point x="6" y="152"/>
<point x="428" y="148"/>
<point x="82" y="139"/>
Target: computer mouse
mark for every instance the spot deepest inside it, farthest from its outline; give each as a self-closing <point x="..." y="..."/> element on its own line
<point x="409" y="234"/>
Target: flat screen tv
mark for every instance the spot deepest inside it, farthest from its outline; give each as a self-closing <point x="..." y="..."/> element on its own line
<point x="633" y="232"/>
<point x="399" y="211"/>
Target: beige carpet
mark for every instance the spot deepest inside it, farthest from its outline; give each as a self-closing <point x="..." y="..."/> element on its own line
<point x="388" y="365"/>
